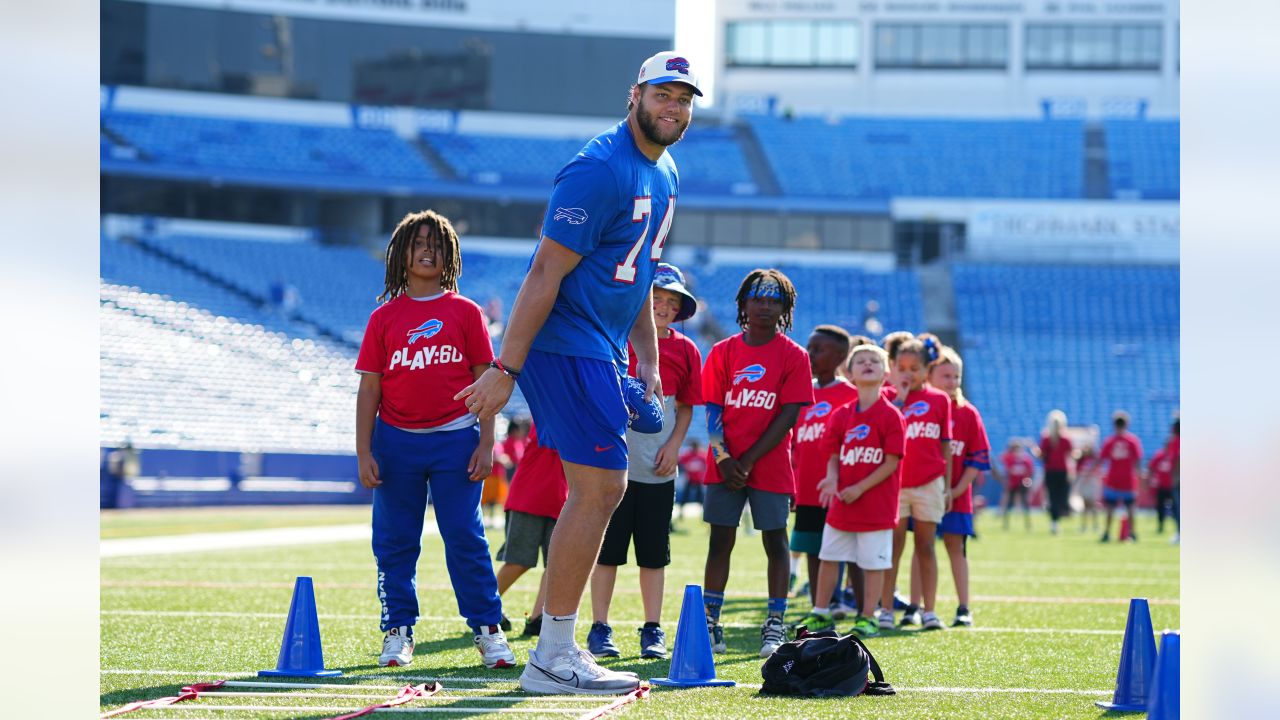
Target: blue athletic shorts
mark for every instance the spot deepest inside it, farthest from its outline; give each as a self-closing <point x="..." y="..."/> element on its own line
<point x="578" y="407"/>
<point x="1111" y="497"/>
<point x="957" y="523"/>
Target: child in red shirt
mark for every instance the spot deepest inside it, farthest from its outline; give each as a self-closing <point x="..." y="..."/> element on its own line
<point x="421" y="346"/>
<point x="828" y="348"/>
<point x="970" y="452"/>
<point x="926" y="471"/>
<point x="534" y="501"/>
<point x="754" y="385"/>
<point x="1019" y="469"/>
<point x="864" y="445"/>
<point x="1123" y="455"/>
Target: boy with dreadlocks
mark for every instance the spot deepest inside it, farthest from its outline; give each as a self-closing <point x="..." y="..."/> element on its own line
<point x="423" y="344"/>
<point x="754" y="385"/>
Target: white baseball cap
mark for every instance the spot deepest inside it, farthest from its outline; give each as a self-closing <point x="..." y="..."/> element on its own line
<point x="668" y="66"/>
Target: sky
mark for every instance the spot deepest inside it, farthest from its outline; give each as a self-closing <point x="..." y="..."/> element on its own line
<point x="695" y="38"/>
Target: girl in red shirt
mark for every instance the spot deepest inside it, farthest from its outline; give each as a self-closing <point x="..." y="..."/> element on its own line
<point x="926" y="471"/>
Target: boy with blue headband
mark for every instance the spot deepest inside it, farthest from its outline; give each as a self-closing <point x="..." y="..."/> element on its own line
<point x="754" y="384"/>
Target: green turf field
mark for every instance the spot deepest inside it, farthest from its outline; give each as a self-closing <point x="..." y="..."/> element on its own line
<point x="1049" y="617"/>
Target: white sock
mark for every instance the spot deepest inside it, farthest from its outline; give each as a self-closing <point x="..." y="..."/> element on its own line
<point x="823" y="611"/>
<point x="556" y="635"/>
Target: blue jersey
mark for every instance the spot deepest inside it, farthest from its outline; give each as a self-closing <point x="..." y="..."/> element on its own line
<point x="614" y="207"/>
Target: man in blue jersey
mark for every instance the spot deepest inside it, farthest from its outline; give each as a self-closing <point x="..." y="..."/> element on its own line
<point x="586" y="294"/>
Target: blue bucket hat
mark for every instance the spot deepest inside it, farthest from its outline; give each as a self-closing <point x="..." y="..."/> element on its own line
<point x="669" y="277"/>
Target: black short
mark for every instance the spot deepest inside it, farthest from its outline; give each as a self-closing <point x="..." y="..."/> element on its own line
<point x="810" y="518"/>
<point x="645" y="514"/>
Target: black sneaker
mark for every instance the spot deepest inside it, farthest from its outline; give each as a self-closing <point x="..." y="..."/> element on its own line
<point x="910" y="617"/>
<point x="532" y="627"/>
<point x="505" y="623"/>
<point x="964" y="618"/>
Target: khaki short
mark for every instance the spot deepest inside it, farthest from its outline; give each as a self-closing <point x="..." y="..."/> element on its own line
<point x="925" y="503"/>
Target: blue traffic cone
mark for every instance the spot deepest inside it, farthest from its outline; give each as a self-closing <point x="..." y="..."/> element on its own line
<point x="300" y="652"/>
<point x="691" y="662"/>
<point x="1166" y="698"/>
<point x="1137" y="661"/>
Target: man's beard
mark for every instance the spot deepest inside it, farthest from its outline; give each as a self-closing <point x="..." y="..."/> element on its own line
<point x="652" y="133"/>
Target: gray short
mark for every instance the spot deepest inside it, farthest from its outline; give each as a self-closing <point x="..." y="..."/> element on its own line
<point x="526" y="533"/>
<point x="769" y="510"/>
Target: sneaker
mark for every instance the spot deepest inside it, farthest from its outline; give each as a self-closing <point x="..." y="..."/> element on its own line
<point x="492" y="644"/>
<point x="716" y="631"/>
<point x="505" y="623"/>
<point x="397" y="648"/>
<point x="1175" y="539"/>
<point x="791" y="584"/>
<point x="899" y="602"/>
<point x="802" y="591"/>
<point x="933" y="622"/>
<point x="910" y="617"/>
<point x="573" y="672"/>
<point x="1106" y="538"/>
<point x="840" y="610"/>
<point x="964" y="618"/>
<point x="600" y="641"/>
<point x="532" y="627"/>
<point x="653" y="643"/>
<point x="866" y="627"/>
<point x="813" y="622"/>
<point x="884" y="619"/>
<point x="772" y="634"/>
<point x="1053" y="527"/>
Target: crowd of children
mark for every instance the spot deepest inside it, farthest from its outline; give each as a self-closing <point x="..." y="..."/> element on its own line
<point x="866" y="443"/>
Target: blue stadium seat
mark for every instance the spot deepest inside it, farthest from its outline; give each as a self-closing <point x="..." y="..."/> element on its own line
<point x="880" y="158"/>
<point x="227" y="145"/>
<point x="1143" y="158"/>
<point x="1086" y="339"/>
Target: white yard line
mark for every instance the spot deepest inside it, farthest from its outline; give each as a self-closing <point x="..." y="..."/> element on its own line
<point x="621" y="621"/>
<point x="506" y="685"/>
<point x="203" y="542"/>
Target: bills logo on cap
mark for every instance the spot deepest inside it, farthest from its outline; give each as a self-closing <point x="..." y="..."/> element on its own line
<point x="750" y="373"/>
<point x="859" y="433"/>
<point x="575" y="216"/>
<point x="678" y="64"/>
<point x="819" y="410"/>
<point x="919" y="407"/>
<point x="425" y="330"/>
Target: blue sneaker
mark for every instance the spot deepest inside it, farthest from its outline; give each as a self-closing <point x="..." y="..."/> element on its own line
<point x="600" y="641"/>
<point x="899" y="603"/>
<point x="653" y="643"/>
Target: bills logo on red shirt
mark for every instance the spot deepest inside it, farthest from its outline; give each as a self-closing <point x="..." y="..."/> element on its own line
<point x="425" y="330"/>
<point x="859" y="433"/>
<point x="821" y="409"/>
<point x="750" y="373"/>
<point x="678" y="64"/>
<point x="919" y="407"/>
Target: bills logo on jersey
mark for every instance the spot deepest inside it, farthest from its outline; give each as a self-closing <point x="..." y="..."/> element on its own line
<point x="425" y="330"/>
<point x="678" y="64"/>
<point x="574" y="216"/>
<point x="818" y="410"/>
<point x="750" y="373"/>
<point x="1119" y="451"/>
<point x="859" y="433"/>
<point x="919" y="407"/>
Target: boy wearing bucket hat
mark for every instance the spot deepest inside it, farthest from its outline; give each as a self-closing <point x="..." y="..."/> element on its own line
<point x="645" y="510"/>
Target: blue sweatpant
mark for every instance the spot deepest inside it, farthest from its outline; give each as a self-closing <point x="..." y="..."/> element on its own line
<point x="409" y="463"/>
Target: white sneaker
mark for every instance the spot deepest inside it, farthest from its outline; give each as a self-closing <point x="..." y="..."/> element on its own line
<point x="840" y="611"/>
<point x="772" y="634"/>
<point x="573" y="672"/>
<point x="885" y="619"/>
<point x="397" y="648"/>
<point x="494" y="651"/>
<point x="933" y="622"/>
<point x="1175" y="539"/>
